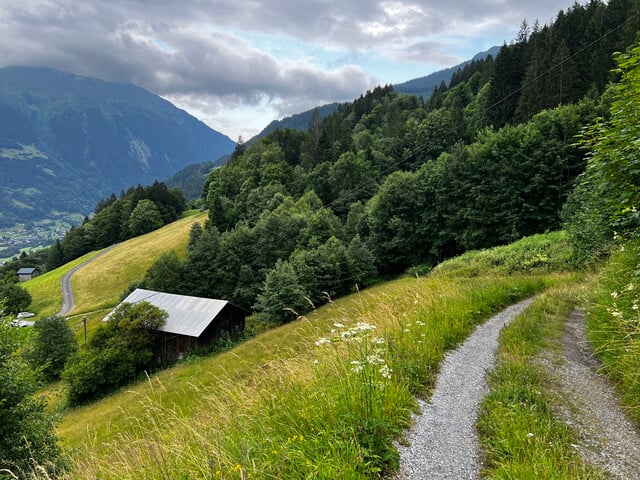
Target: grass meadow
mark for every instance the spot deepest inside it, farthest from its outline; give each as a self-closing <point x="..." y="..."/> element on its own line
<point x="326" y="396"/>
<point x="98" y="287"/>
<point x="321" y="397"/>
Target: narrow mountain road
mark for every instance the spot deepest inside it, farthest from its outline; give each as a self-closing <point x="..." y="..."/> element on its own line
<point x="443" y="444"/>
<point x="67" y="292"/>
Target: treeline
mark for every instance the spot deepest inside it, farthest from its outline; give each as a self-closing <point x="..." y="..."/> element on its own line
<point x="137" y="211"/>
<point x="391" y="181"/>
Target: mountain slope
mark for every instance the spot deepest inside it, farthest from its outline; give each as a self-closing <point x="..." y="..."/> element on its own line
<point x="67" y="141"/>
<point x="424" y="86"/>
<point x="298" y="121"/>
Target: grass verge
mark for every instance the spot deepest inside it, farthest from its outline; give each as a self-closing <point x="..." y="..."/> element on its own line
<point x="520" y="436"/>
<point x="613" y="322"/>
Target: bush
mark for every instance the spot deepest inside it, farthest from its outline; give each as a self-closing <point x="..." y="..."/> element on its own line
<point x="27" y="435"/>
<point x="119" y="350"/>
<point x="16" y="297"/>
<point x="54" y="342"/>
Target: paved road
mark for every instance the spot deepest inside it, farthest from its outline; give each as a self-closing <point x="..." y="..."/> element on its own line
<point x="67" y="291"/>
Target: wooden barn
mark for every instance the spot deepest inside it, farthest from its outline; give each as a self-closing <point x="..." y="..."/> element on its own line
<point x="25" y="273"/>
<point x="193" y="322"/>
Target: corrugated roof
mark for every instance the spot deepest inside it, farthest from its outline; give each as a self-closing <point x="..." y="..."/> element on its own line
<point x="26" y="270"/>
<point x="187" y="315"/>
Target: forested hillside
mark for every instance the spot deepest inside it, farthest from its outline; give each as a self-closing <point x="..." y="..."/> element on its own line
<point x="391" y="181"/>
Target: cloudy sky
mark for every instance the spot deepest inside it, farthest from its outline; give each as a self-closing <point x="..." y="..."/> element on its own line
<point x="237" y="65"/>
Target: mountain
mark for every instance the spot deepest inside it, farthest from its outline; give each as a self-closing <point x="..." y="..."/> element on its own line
<point x="192" y="178"/>
<point x="298" y="121"/>
<point x="67" y="141"/>
<point x="424" y="86"/>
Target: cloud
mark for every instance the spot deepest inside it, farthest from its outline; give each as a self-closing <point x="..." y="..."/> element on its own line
<point x="205" y="52"/>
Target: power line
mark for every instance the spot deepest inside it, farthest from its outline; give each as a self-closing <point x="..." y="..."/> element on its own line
<point x="562" y="62"/>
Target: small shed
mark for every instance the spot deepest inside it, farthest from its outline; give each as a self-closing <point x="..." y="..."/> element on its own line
<point x="27" y="273"/>
<point x="193" y="322"/>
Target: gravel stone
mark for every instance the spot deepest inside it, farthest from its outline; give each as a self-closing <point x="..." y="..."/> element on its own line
<point x="607" y="438"/>
<point x="443" y="443"/>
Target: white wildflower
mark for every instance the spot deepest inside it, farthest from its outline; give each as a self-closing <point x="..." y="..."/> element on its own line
<point x="338" y="325"/>
<point x="322" y="341"/>
<point x="385" y="371"/>
<point x="374" y="359"/>
<point x="363" y="327"/>
<point x="357" y="366"/>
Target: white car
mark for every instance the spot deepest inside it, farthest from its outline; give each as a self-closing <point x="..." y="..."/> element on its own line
<point x="26" y="315"/>
<point x="19" y="323"/>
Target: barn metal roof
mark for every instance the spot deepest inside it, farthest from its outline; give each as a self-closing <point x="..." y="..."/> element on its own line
<point x="187" y="315"/>
<point x="26" y="270"/>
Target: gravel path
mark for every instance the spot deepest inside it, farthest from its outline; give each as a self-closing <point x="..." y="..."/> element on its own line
<point x="443" y="443"/>
<point x="607" y="438"/>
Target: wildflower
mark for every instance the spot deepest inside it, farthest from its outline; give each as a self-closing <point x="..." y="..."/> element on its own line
<point x="378" y="341"/>
<point x="385" y="371"/>
<point x="357" y="366"/>
<point x="614" y="295"/>
<point x="630" y="287"/>
<point x="530" y="435"/>
<point x="322" y="341"/>
<point x="635" y="306"/>
<point x="617" y="314"/>
<point x="338" y="325"/>
<point x="374" y="359"/>
<point x="363" y="327"/>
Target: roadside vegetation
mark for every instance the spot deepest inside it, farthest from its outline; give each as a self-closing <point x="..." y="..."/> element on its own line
<point x="521" y="436"/>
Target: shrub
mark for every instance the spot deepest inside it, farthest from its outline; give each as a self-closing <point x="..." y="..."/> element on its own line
<point x="119" y="350"/>
<point x="54" y="342"/>
<point x="26" y="430"/>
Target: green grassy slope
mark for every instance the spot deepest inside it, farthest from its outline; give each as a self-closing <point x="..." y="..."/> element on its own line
<point x="304" y="400"/>
<point x="100" y="283"/>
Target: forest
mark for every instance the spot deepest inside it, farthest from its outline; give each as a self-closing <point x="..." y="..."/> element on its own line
<point x="390" y="182"/>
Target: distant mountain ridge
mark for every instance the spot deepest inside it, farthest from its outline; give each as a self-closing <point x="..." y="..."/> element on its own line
<point x="67" y="141"/>
<point x="298" y="121"/>
<point x="424" y="86"/>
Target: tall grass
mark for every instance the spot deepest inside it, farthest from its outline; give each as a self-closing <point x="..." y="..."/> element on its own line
<point x="519" y="433"/>
<point x="613" y="322"/>
<point x="327" y="406"/>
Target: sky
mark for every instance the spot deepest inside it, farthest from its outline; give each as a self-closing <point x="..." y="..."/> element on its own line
<point x="237" y="65"/>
